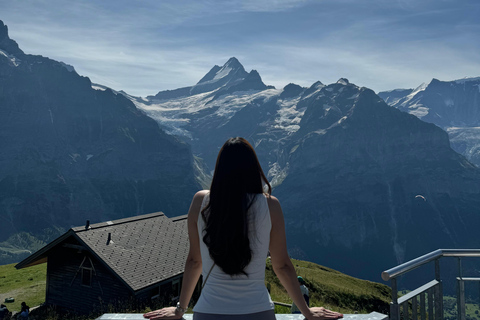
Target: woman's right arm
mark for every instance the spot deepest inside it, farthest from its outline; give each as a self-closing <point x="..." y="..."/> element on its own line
<point x="283" y="267"/>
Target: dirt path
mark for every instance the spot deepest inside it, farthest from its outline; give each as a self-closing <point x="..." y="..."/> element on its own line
<point x="26" y="294"/>
<point x="14" y="293"/>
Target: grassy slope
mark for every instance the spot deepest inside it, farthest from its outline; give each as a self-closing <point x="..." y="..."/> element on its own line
<point x="450" y="308"/>
<point x="24" y="285"/>
<point x="332" y="289"/>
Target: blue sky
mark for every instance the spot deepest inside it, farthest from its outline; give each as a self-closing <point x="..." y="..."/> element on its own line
<point x="143" y="47"/>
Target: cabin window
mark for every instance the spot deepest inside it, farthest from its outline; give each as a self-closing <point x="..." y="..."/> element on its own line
<point x="87" y="277"/>
<point x="176" y="287"/>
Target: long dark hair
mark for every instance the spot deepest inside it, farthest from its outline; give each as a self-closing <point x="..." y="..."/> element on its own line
<point x="237" y="174"/>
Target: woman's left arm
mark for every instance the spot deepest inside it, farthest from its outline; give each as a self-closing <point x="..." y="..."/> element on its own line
<point x="193" y="265"/>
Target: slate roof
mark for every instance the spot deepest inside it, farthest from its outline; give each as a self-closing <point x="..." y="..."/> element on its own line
<point x="143" y="250"/>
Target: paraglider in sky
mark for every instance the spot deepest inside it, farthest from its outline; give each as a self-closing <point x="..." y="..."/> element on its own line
<point x="419" y="196"/>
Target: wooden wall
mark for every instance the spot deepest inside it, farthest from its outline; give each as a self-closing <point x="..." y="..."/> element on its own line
<point x="64" y="283"/>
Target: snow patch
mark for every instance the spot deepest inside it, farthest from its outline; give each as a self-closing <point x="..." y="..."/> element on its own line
<point x="342" y="119"/>
<point x="288" y="116"/>
<point x="98" y="87"/>
<point x="222" y="73"/>
<point x="174" y="114"/>
<point x="277" y="174"/>
<point x="13" y="60"/>
<point x="411" y="100"/>
<point x="453" y="129"/>
<point x="419" y="110"/>
<point x="421" y="87"/>
<point x="318" y="87"/>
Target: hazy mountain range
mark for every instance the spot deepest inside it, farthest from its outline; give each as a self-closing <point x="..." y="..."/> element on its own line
<point x="364" y="186"/>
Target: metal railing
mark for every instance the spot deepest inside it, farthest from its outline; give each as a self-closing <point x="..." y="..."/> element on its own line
<point x="430" y="294"/>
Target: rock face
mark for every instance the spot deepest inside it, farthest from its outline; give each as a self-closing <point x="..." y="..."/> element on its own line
<point x="363" y="186"/>
<point x="451" y="105"/>
<point x="355" y="181"/>
<point x="70" y="153"/>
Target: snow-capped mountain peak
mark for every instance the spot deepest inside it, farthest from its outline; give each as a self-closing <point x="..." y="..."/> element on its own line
<point x="417" y="90"/>
<point x="231" y="68"/>
<point x="231" y="76"/>
<point x="233" y="63"/>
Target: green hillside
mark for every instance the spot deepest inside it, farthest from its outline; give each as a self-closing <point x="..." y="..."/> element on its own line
<point x="332" y="289"/>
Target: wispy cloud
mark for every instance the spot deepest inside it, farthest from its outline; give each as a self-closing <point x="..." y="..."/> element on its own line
<point x="143" y="47"/>
<point x="270" y="5"/>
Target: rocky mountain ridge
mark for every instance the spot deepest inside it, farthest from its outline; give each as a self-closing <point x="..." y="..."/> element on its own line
<point x="69" y="153"/>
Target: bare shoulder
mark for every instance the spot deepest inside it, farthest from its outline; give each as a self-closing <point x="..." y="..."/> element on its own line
<point x="196" y="204"/>
<point x="271" y="198"/>
<point x="275" y="208"/>
<point x="273" y="202"/>
<point x="200" y="195"/>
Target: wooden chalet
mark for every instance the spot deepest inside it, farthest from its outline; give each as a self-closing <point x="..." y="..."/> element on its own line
<point x="141" y="257"/>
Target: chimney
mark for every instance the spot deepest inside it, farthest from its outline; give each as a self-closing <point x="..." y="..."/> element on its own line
<point x="109" y="239"/>
<point x="87" y="225"/>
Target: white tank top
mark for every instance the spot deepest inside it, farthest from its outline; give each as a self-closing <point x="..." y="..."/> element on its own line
<point x="238" y="294"/>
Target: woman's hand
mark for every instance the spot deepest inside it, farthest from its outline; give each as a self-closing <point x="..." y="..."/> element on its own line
<point x="165" y="313"/>
<point x="321" y="313"/>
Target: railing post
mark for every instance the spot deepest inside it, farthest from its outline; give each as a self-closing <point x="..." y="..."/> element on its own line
<point x="404" y="315"/>
<point x="430" y="303"/>
<point x="414" y="308"/>
<point x="394" y="307"/>
<point x="460" y="293"/>
<point x="423" y="313"/>
<point x="438" y="292"/>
